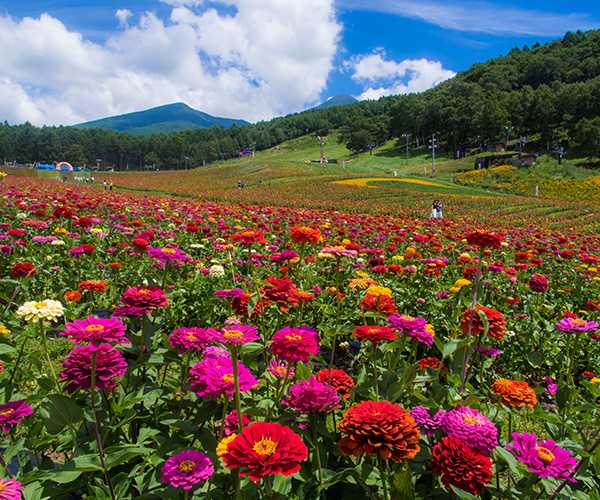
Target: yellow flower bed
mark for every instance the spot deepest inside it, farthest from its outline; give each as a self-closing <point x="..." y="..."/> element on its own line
<point x="365" y="182"/>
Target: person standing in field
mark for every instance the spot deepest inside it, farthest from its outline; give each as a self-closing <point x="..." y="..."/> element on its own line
<point x="433" y="209"/>
<point x="439" y="210"/>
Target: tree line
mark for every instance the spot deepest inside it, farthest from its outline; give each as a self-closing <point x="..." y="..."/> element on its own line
<point x="549" y="91"/>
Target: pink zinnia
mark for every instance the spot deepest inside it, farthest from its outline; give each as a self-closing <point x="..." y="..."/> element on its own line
<point x="280" y="368"/>
<point x="77" y="368"/>
<point x="312" y="396"/>
<point x="186" y="469"/>
<point x="538" y="283"/>
<point x="12" y="413"/>
<point x="145" y="297"/>
<point x="295" y="344"/>
<point x="212" y="378"/>
<point x="95" y="330"/>
<point x="471" y="427"/>
<point x="576" y="325"/>
<point x="236" y="335"/>
<point x="186" y="339"/>
<point x="427" y="424"/>
<point x="10" y="489"/>
<point x="167" y="254"/>
<point x="546" y="459"/>
<point x="413" y="327"/>
<point x="232" y="421"/>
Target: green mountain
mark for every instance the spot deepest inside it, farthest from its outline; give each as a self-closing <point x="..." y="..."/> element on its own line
<point x="338" y="100"/>
<point x="162" y="119"/>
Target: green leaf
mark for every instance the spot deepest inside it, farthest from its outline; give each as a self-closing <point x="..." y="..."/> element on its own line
<point x="450" y="348"/>
<point x="535" y="358"/>
<point x="463" y="494"/>
<point x="507" y="456"/>
<point x="6" y="349"/>
<point x="58" y="411"/>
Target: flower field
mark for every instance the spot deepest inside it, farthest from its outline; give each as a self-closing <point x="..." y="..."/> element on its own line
<point x="296" y="340"/>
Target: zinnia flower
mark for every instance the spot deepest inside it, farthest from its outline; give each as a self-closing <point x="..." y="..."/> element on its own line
<point x="576" y="325"/>
<point x="212" y="378"/>
<point x="470" y="426"/>
<point x="338" y="379"/>
<point x="427" y="424"/>
<point x="312" y="396"/>
<point x="12" y="413"/>
<point x="47" y="309"/>
<point x="538" y="284"/>
<point x="304" y="234"/>
<point x="295" y="344"/>
<point x="515" y="394"/>
<point x="186" y="469"/>
<point x="232" y="421"/>
<point x="145" y="297"/>
<point x="379" y="428"/>
<point x="22" y="270"/>
<point x="461" y="466"/>
<point x="167" y="254"/>
<point x="236" y="336"/>
<point x="496" y="322"/>
<point x="280" y="369"/>
<point x="94" y="330"/>
<point x="77" y="368"/>
<point x="72" y="296"/>
<point x="250" y="236"/>
<point x="484" y="239"/>
<point x="413" y="327"/>
<point x="264" y="448"/>
<point x="383" y="304"/>
<point x="93" y="285"/>
<point x="375" y="334"/>
<point x="10" y="489"/>
<point x="546" y="459"/>
<point x="185" y="339"/>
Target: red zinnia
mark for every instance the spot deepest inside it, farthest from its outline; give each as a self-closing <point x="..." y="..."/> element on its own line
<point x="140" y="244"/>
<point x="145" y="297"/>
<point x="375" y="333"/>
<point x="304" y="234"/>
<point x="264" y="448"/>
<point x="338" y="379"/>
<point x="295" y="344"/>
<point x="250" y="236"/>
<point x="484" y="239"/>
<point x="379" y="428"/>
<point x="72" y="296"/>
<point x="88" y="249"/>
<point x="93" y="285"/>
<point x="538" y="284"/>
<point x="22" y="270"/>
<point x="460" y="465"/>
<point x="434" y="363"/>
<point x="383" y="304"/>
<point x="496" y="322"/>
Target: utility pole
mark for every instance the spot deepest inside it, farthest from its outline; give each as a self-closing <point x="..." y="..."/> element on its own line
<point x="322" y="143"/>
<point x="508" y="129"/>
<point x="186" y="160"/>
<point x="432" y="147"/>
<point x="407" y="138"/>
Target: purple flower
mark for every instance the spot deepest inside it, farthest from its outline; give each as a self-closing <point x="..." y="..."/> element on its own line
<point x="186" y="469"/>
<point x="471" y="427"/>
<point x="130" y="311"/>
<point x="311" y="396"/>
<point x="212" y="378"/>
<point x="486" y="351"/>
<point x="77" y="368"/>
<point x="215" y="352"/>
<point x="166" y="254"/>
<point x="231" y="423"/>
<point x="576" y="325"/>
<point x="12" y="413"/>
<point x="186" y="339"/>
<point x="551" y="387"/>
<point x="427" y="424"/>
<point x="94" y="330"/>
<point x="228" y="294"/>
<point x="413" y="327"/>
<point x="546" y="459"/>
<point x="280" y="368"/>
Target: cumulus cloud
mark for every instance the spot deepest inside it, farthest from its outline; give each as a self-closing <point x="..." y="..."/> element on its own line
<point x="236" y="58"/>
<point x="410" y="75"/>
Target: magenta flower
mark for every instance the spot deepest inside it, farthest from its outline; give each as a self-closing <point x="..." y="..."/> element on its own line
<point x="546" y="459"/>
<point x="10" y="489"/>
<point x="486" y="351"/>
<point x="229" y="294"/>
<point x="130" y="311"/>
<point x="413" y="327"/>
<point x="312" y="396"/>
<point x="339" y="251"/>
<point x="145" y="297"/>
<point x="186" y="339"/>
<point x="236" y="335"/>
<point x="538" y="284"/>
<point x="167" y="254"/>
<point x="295" y="344"/>
<point x="77" y="368"/>
<point x="280" y="368"/>
<point x="471" y="427"/>
<point x="427" y="424"/>
<point x="187" y="469"/>
<point x="231" y="423"/>
<point x="576" y="325"/>
<point x="212" y="378"/>
<point x="215" y="352"/>
<point x="12" y="413"/>
<point x="95" y="330"/>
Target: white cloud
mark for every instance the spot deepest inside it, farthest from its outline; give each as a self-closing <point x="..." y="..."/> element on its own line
<point x="123" y="15"/>
<point x="480" y="16"/>
<point x="252" y="60"/>
<point x="410" y="75"/>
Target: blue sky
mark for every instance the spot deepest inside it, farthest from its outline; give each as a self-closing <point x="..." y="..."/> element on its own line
<point x="67" y="61"/>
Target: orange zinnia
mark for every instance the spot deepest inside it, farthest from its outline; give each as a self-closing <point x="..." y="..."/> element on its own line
<point x="514" y="393"/>
<point x="496" y="322"/>
<point x="304" y="234"/>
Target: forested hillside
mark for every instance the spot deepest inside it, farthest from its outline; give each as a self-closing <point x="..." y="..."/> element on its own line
<point x="549" y="93"/>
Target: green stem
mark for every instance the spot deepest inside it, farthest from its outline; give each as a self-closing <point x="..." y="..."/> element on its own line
<point x="12" y="375"/>
<point x="375" y="375"/>
<point x="396" y="360"/>
<point x="382" y="477"/>
<point x="43" y="335"/>
<point x="236" y="382"/>
<point x="164" y="280"/>
<point x="572" y="358"/>
<point x="224" y="414"/>
<point x="313" y="424"/>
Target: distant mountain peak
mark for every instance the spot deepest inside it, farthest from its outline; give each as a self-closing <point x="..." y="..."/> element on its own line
<point x="338" y="100"/>
<point x="167" y="118"/>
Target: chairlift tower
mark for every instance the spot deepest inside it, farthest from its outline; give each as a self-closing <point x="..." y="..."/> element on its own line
<point x="321" y="142"/>
<point x="434" y="145"/>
